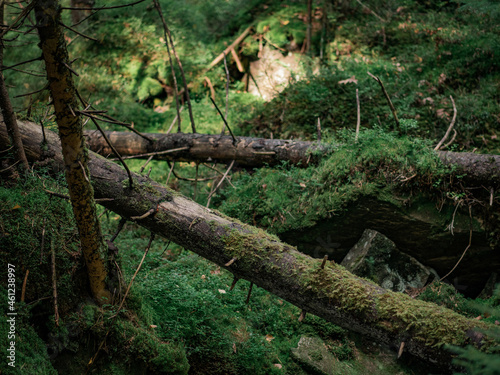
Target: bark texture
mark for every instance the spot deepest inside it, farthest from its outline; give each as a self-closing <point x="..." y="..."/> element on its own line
<point x="332" y="292"/>
<point x="248" y="152"/>
<point x="75" y="155"/>
<point x="258" y="152"/>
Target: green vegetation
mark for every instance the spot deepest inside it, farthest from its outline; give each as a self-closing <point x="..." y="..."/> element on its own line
<point x="380" y="164"/>
<point x="180" y="315"/>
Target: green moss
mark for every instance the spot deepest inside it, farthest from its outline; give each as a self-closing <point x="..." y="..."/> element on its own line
<point x="290" y="198"/>
<point x="31" y="352"/>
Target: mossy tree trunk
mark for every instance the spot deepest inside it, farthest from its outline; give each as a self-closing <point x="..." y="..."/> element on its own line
<point x="252" y="254"/>
<point x="259" y="152"/>
<point x="75" y="154"/>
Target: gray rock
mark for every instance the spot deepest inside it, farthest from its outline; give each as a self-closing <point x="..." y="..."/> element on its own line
<point x="313" y="355"/>
<point x="377" y="258"/>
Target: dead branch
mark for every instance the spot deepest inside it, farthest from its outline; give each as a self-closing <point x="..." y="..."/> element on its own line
<point x="447" y="134"/>
<point x="391" y="106"/>
<point x="54" y="282"/>
<point x="176" y="88"/>
<point x="133" y="277"/>
<point x="225" y="122"/>
<point x="237" y="41"/>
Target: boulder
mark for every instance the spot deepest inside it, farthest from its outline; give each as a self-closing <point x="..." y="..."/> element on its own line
<point x="376" y="257"/>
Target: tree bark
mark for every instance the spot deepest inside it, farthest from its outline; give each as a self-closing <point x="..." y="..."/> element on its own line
<point x="252" y="254"/>
<point x="258" y="152"/>
<point x="63" y="92"/>
<point x="248" y="152"/>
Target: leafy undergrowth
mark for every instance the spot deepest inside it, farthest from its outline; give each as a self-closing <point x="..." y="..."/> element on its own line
<point x="379" y="164"/>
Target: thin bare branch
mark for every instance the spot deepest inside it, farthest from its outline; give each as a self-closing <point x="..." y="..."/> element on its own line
<point x="447" y="134"/>
<point x="225" y="122"/>
<point x="358" y="122"/>
<point x="393" y="110"/>
<point x="39" y="58"/>
<point x="105" y="8"/>
<point x="220" y="182"/>
<point x="135" y="274"/>
<point x="176" y="88"/>
<point x="167" y="31"/>
<point x="77" y="32"/>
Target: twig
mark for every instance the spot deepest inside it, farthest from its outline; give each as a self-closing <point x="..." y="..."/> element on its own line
<point x="169" y="173"/>
<point x="220" y="182"/>
<point x="83" y="170"/>
<point x="371" y="11"/>
<point x="318" y="130"/>
<point x="451" y="140"/>
<point x="227" y="90"/>
<point x="235" y="280"/>
<point x="249" y="293"/>
<point x="401" y="348"/>
<point x="237" y="41"/>
<point x="111" y="120"/>
<point x="447" y="134"/>
<point x="302" y="315"/>
<point x="225" y="122"/>
<point x="467" y="248"/>
<point x="32" y="73"/>
<point x="77" y="32"/>
<point x="23" y="290"/>
<point x="155" y="153"/>
<point x="196" y="182"/>
<point x="219" y="172"/>
<point x="135" y="274"/>
<point x="71" y="69"/>
<point x="358" y="122"/>
<point x="9" y="167"/>
<point x="145" y="215"/>
<point x="130" y="179"/>
<point x="42" y="244"/>
<point x="323" y="263"/>
<point x="167" y="31"/>
<point x="105" y="8"/>
<point x="177" y="116"/>
<point x="176" y="87"/>
<point x="121" y="224"/>
<point x="146" y="163"/>
<point x="211" y="87"/>
<point x="21" y="17"/>
<point x="393" y="110"/>
<point x="166" y="248"/>
<point x="54" y="283"/>
<point x="230" y="262"/>
<point x="239" y="65"/>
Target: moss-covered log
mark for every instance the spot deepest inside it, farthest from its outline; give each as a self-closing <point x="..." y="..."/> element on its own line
<point x="252" y="254"/>
<point x="258" y="152"/>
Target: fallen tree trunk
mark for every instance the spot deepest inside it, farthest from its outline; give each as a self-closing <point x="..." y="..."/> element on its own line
<point x="252" y="254"/>
<point x="248" y="152"/>
<point x="258" y="152"/>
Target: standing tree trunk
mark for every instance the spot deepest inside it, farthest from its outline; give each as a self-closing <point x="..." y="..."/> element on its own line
<point x="7" y="112"/>
<point x="62" y="90"/>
